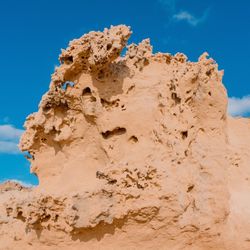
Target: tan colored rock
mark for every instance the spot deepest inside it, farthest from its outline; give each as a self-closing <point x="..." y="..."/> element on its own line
<point x="133" y="152"/>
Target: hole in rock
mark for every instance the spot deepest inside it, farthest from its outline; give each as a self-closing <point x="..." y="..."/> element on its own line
<point x="112" y="181"/>
<point x="123" y="107"/>
<point x="46" y="218"/>
<point x="67" y="59"/>
<point x="172" y="87"/>
<point x="117" y="131"/>
<point x="9" y="210"/>
<point x="133" y="139"/>
<point x="86" y="91"/>
<point x="104" y="102"/>
<point x="184" y="134"/>
<point x="209" y="93"/>
<point x="43" y="139"/>
<point x="124" y="51"/>
<point x="190" y="188"/>
<point x="176" y="99"/>
<point x="20" y="216"/>
<point x="109" y="46"/>
<point x="47" y="107"/>
<point x="209" y="72"/>
<point x="66" y="84"/>
<point x="56" y="218"/>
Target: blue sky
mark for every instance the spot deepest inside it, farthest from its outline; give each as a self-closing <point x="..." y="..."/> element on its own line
<point x="33" y="32"/>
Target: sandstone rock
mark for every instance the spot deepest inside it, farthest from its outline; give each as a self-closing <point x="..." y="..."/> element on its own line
<point x="132" y="152"/>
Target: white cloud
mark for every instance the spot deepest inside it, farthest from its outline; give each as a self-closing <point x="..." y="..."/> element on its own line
<point x="170" y="7"/>
<point x="239" y="106"/>
<point x="9" y="137"/>
<point x="7" y="147"/>
<point x="9" y="132"/>
<point x="191" y="19"/>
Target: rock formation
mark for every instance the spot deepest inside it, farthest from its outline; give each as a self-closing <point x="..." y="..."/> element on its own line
<point x="131" y="152"/>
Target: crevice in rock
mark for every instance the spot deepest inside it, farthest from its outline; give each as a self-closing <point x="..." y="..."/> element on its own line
<point x="117" y="131"/>
<point x="130" y="89"/>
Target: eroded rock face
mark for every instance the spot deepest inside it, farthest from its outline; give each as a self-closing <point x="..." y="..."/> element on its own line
<point x="133" y="152"/>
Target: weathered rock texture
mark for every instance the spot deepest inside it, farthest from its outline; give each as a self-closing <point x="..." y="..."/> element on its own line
<point x="133" y="152"/>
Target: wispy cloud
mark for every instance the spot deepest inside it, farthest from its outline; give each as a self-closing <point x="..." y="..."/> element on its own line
<point x="239" y="106"/>
<point x="189" y="18"/>
<point x="183" y="15"/>
<point x="9" y="137"/>
<point x="9" y="132"/>
<point x="7" y="147"/>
